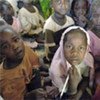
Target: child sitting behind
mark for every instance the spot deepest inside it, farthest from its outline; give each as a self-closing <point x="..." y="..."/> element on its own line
<point x="58" y="21"/>
<point x="80" y="12"/>
<point x="16" y="68"/>
<point x="7" y="13"/>
<point x="32" y="22"/>
<point x="72" y="61"/>
<point x="94" y="44"/>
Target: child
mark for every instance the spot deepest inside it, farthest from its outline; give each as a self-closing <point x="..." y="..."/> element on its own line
<point x="72" y="61"/>
<point x="32" y="22"/>
<point x="95" y="40"/>
<point x="17" y="66"/>
<point x="7" y="13"/>
<point x="79" y="12"/>
<point x="56" y="22"/>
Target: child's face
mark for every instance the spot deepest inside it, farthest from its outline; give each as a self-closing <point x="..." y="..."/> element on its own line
<point x="7" y="10"/>
<point x="60" y="6"/>
<point x="75" y="48"/>
<point x="80" y="8"/>
<point x="96" y="18"/>
<point x="12" y="46"/>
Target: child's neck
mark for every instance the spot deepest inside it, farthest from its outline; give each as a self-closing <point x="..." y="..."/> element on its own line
<point x="96" y="31"/>
<point x="59" y="19"/>
<point x="9" y="64"/>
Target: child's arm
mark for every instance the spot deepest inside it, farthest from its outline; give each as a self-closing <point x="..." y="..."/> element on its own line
<point x="81" y="88"/>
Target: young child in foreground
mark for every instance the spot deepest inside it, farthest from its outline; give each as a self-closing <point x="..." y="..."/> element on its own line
<point x="17" y="66"/>
<point x="73" y="60"/>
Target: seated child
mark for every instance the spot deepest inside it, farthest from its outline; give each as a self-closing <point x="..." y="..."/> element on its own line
<point x="95" y="40"/>
<point x="72" y="61"/>
<point x="17" y="67"/>
<point x="7" y="13"/>
<point x="32" y="22"/>
<point x="79" y="12"/>
<point x="56" y="22"/>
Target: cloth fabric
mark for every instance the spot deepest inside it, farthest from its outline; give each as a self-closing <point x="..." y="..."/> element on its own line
<point x="94" y="43"/>
<point x="59" y="67"/>
<point x="16" y="25"/>
<point x="32" y="23"/>
<point x="13" y="82"/>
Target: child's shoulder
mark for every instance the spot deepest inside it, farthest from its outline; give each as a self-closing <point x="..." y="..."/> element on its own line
<point x="49" y="24"/>
<point x="69" y="19"/>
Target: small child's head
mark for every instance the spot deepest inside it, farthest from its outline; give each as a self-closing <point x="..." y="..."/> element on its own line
<point x="79" y="12"/>
<point x="75" y="44"/>
<point x="79" y="7"/>
<point x="96" y="14"/>
<point x="12" y="47"/>
<point x="6" y="11"/>
<point x="60" y="6"/>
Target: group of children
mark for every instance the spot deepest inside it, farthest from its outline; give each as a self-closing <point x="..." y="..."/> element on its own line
<point x="71" y="39"/>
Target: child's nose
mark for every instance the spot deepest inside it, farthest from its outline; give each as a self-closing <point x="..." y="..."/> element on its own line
<point x="63" y="4"/>
<point x="74" y="52"/>
<point x="14" y="46"/>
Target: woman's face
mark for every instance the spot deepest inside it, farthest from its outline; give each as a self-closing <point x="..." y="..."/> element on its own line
<point x="75" y="48"/>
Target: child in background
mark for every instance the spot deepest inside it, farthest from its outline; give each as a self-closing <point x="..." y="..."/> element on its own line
<point x="72" y="60"/>
<point x="7" y="13"/>
<point x="58" y="21"/>
<point x="79" y="12"/>
<point x="16" y="70"/>
<point x="95" y="43"/>
<point x="32" y="22"/>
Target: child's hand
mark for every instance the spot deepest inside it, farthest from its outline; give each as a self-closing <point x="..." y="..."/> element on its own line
<point x="38" y="94"/>
<point x="74" y="79"/>
<point x="82" y="21"/>
<point x="52" y="91"/>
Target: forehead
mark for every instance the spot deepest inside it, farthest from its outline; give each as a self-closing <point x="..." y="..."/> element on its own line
<point x="76" y="34"/>
<point x="7" y="35"/>
<point x="80" y="3"/>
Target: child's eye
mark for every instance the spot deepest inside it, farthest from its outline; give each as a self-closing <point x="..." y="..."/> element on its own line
<point x="5" y="46"/>
<point x="68" y="46"/>
<point x="16" y="39"/>
<point x="82" y="48"/>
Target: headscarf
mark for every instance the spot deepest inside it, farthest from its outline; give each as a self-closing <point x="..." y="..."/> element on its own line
<point x="59" y="59"/>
